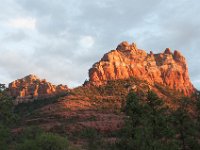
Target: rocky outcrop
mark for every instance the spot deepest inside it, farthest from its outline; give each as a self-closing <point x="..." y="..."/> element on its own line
<point x="31" y="87"/>
<point x="167" y="68"/>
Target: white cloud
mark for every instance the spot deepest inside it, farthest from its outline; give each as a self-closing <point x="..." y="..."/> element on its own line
<point x="77" y="33"/>
<point x="87" y="41"/>
<point x="24" y="23"/>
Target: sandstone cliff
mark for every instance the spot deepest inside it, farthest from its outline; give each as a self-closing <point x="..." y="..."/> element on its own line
<point x="167" y="68"/>
<point x="32" y="87"/>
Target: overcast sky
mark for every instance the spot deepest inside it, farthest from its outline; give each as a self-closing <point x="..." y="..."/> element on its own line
<point x="61" y="39"/>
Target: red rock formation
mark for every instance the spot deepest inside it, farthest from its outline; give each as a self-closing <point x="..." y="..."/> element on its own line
<point x="31" y="87"/>
<point x="169" y="69"/>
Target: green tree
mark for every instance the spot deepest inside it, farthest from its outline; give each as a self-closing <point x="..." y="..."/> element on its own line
<point x="29" y="133"/>
<point x="198" y="111"/>
<point x="7" y="118"/>
<point x="28" y="145"/>
<point x="159" y="133"/>
<point x="5" y="137"/>
<point x="133" y="110"/>
<point x="198" y="116"/>
<point x="148" y="125"/>
<point x="50" y="141"/>
<point x="43" y="141"/>
<point x="185" y="126"/>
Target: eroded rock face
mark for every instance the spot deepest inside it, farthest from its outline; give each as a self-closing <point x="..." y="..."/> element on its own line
<point x="32" y="87"/>
<point x="167" y="68"/>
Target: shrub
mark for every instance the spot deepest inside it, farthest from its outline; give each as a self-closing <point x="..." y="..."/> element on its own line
<point x="50" y="141"/>
<point x="43" y="141"/>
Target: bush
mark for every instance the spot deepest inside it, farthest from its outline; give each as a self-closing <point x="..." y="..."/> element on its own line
<point x="28" y="145"/>
<point x="43" y="141"/>
<point x="7" y="117"/>
<point x="5" y="137"/>
<point x="50" y="141"/>
<point x="88" y="133"/>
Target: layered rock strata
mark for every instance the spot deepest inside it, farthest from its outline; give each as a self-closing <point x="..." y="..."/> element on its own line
<point x="167" y="68"/>
<point x="31" y="87"/>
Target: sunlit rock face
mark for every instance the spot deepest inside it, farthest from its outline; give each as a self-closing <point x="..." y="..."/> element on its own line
<point x="167" y="68"/>
<point x="32" y="87"/>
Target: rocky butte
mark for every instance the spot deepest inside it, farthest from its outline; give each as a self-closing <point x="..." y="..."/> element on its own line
<point x="167" y="68"/>
<point x="31" y="87"/>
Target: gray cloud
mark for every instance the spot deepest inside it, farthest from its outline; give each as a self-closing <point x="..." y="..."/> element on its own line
<point x="15" y="37"/>
<point x="54" y="50"/>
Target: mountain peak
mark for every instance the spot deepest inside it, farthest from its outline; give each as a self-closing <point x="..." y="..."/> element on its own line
<point x="126" y="46"/>
<point x="32" y="76"/>
<point x="32" y="87"/>
<point x="167" y="68"/>
<point x="167" y="51"/>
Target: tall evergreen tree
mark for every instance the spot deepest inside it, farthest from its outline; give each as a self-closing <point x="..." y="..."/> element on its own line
<point x="198" y="111"/>
<point x="198" y="117"/>
<point x="133" y="110"/>
<point x="185" y="126"/>
<point x="148" y="126"/>
<point x="6" y="118"/>
<point x="159" y="132"/>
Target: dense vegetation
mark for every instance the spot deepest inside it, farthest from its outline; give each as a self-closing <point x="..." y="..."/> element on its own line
<point x="35" y="139"/>
<point x="149" y="125"/>
<point x="31" y="138"/>
<point x="153" y="126"/>
<point x="25" y="109"/>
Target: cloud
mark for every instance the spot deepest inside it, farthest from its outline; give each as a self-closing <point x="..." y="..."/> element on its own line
<point x="87" y="41"/>
<point x="15" y="36"/>
<point x="60" y="40"/>
<point x="23" y="23"/>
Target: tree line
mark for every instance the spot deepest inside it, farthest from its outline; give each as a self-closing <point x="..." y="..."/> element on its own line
<point x="31" y="138"/>
<point x="151" y="125"/>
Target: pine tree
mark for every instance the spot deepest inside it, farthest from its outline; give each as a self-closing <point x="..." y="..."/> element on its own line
<point x="159" y="132"/>
<point x="198" y="116"/>
<point x="198" y="111"/>
<point x="6" y="118"/>
<point x="185" y="126"/>
<point x="148" y="126"/>
<point x="133" y="110"/>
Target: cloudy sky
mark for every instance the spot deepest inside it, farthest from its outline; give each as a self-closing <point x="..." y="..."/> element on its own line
<point x="60" y="39"/>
